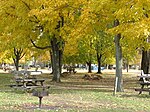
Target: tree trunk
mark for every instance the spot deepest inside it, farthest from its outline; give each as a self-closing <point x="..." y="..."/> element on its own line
<point x="56" y="60"/>
<point x="145" y="64"/>
<point x="99" y="57"/>
<point x="18" y="54"/>
<point x="127" y="65"/>
<point x="149" y="63"/>
<point x="16" y="62"/>
<point x="89" y="67"/>
<point x="119" y="86"/>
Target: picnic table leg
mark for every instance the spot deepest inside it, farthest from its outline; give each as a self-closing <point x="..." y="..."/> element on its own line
<point x="24" y="84"/>
<point x="141" y="89"/>
<point x="42" y="83"/>
<point x="17" y="84"/>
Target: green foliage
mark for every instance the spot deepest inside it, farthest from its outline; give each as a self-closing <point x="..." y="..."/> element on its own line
<point x="86" y="49"/>
<point x="104" y="45"/>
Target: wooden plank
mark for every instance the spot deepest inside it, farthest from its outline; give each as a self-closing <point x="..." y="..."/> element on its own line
<point x="25" y="88"/>
<point x="143" y="83"/>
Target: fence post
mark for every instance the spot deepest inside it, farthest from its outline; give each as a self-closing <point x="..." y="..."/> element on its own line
<point x="115" y="87"/>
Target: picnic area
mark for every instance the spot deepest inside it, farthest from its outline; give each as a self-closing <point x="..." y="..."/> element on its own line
<point x="76" y="94"/>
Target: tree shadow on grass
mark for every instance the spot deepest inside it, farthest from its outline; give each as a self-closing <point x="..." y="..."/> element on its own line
<point x="61" y="90"/>
<point x="144" y="95"/>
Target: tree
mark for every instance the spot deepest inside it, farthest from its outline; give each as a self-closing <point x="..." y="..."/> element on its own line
<point x="131" y="52"/>
<point x="86" y="51"/>
<point x="132" y="20"/>
<point x="95" y="18"/>
<point x="55" y="18"/>
<point x="104" y="48"/>
<point x="14" y="30"/>
<point x="13" y="49"/>
<point x="119" y="80"/>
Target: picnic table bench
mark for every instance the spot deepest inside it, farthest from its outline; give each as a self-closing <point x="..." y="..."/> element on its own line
<point x="144" y="81"/>
<point x="27" y="81"/>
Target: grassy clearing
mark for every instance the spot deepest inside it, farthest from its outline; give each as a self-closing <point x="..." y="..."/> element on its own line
<point x="75" y="94"/>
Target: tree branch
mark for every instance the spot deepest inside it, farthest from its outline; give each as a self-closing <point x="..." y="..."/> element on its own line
<point x="30" y="9"/>
<point x="26" y="4"/>
<point x="22" y="55"/>
<point x="15" y="51"/>
<point x="46" y="47"/>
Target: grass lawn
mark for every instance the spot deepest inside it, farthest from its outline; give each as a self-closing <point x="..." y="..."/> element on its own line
<point x="75" y="94"/>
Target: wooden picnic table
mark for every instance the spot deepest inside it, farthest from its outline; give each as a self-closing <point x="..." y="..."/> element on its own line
<point x="144" y="81"/>
<point x="29" y="79"/>
<point x="71" y="69"/>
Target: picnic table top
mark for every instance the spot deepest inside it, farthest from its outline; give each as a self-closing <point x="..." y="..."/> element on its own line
<point x="35" y="72"/>
<point x="28" y="72"/>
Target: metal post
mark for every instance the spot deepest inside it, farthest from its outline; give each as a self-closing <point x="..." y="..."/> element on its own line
<point x="40" y="101"/>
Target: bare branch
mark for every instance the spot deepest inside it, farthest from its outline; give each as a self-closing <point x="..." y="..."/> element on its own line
<point x="26" y="5"/>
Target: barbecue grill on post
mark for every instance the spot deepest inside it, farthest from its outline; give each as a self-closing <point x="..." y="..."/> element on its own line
<point x="40" y="92"/>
